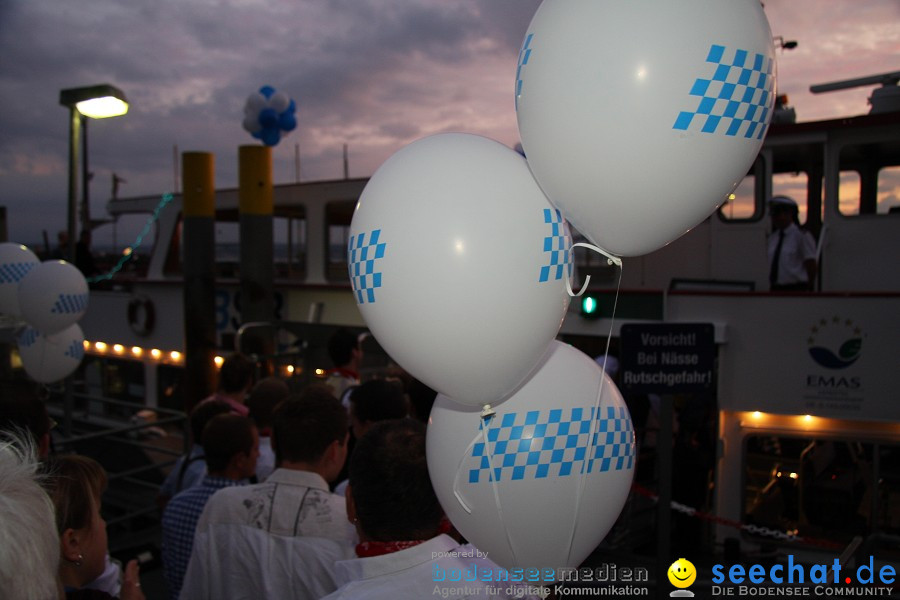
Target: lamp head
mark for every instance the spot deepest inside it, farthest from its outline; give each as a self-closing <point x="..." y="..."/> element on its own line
<point x="96" y="101"/>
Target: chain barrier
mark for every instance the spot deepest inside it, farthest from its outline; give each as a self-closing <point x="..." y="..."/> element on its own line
<point x="748" y="527"/>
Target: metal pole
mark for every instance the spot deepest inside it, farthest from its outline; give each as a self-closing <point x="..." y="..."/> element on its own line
<point x="74" y="134"/>
<point x="664" y="506"/>
<point x="255" y="197"/>
<point x="199" y="276"/>
<point x="85" y="178"/>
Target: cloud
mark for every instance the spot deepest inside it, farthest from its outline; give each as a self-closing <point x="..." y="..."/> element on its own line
<point x="375" y="74"/>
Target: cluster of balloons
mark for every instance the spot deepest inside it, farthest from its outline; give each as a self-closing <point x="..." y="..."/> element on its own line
<point x="637" y="120"/>
<point x="269" y="114"/>
<point x="48" y="298"/>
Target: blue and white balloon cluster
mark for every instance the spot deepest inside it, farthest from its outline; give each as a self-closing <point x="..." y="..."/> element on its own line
<point x="45" y="300"/>
<point x="269" y="114"/>
<point x="633" y="139"/>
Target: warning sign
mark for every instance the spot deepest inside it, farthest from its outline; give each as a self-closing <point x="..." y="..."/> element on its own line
<point x="667" y="358"/>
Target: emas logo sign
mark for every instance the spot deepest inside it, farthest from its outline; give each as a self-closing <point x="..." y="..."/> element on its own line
<point x="835" y="343"/>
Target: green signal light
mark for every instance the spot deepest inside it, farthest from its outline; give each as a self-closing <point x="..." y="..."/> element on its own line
<point x="590" y="307"/>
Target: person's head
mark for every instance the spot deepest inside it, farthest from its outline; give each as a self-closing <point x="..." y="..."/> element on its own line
<point x="29" y="551"/>
<point x="374" y="401"/>
<point x="344" y="348"/>
<point x="75" y="484"/>
<point x="783" y="211"/>
<point x="390" y="493"/>
<point x="22" y="410"/>
<point x="309" y="431"/>
<point x="609" y="363"/>
<point x="230" y="446"/>
<point x="264" y="397"/>
<point x="236" y="374"/>
<point x="201" y="415"/>
<point x="421" y="399"/>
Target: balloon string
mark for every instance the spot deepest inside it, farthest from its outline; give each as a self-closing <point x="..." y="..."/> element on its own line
<point x="486" y="413"/>
<point x="486" y="417"/>
<point x="595" y="424"/>
<point x="610" y="259"/>
<point x="459" y="467"/>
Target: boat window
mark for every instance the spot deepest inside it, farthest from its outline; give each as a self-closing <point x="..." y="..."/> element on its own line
<point x="889" y="190"/>
<point x="290" y="246"/>
<point x="794" y="185"/>
<point x="228" y="249"/>
<point x="865" y="189"/>
<point x="337" y="217"/>
<point x="819" y="488"/>
<point x="848" y="193"/>
<point x="115" y="378"/>
<point x="746" y="203"/>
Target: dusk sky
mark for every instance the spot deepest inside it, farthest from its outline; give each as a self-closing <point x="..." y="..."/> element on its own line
<point x="374" y="74"/>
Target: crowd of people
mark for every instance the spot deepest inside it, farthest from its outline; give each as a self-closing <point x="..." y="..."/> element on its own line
<point x="236" y="523"/>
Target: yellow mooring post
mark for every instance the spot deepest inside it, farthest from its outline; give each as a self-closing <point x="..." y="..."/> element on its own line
<point x="199" y="252"/>
<point x="257" y="265"/>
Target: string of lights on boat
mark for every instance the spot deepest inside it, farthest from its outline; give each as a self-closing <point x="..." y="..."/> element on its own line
<point x="166" y="357"/>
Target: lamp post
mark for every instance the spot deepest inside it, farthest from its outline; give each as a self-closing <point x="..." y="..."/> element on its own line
<point x="97" y="102"/>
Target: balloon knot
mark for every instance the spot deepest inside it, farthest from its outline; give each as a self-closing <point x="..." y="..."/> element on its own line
<point x="487" y="412"/>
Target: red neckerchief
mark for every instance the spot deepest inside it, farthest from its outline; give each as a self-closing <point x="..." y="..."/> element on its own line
<point x="368" y="549"/>
<point x="343" y="372"/>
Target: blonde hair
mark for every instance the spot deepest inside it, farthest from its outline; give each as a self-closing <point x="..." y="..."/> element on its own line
<point x="29" y="553"/>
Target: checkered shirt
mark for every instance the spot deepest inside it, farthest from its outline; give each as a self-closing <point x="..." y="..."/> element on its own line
<point x="179" y="522"/>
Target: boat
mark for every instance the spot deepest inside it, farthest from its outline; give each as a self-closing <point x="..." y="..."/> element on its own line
<point x="799" y="419"/>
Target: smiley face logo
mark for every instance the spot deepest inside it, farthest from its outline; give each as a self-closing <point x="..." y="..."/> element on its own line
<point x="682" y="573"/>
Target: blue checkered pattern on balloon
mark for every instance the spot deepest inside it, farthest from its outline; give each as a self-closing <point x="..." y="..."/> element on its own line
<point x="736" y="99"/>
<point x="75" y="350"/>
<point x="555" y="443"/>
<point x="524" y="55"/>
<point x="28" y="337"/>
<point x="557" y="245"/>
<point x="70" y="303"/>
<point x="363" y="254"/>
<point x="14" y="272"/>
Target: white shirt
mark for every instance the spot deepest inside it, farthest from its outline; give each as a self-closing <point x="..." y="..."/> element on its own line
<point x="798" y="247"/>
<point x="412" y="574"/>
<point x="278" y="539"/>
<point x="265" y="464"/>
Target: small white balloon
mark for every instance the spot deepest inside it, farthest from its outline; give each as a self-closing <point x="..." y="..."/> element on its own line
<point x="16" y="261"/>
<point x="279" y="102"/>
<point x="255" y="103"/>
<point x="640" y="118"/>
<point x="49" y="358"/>
<point x="52" y="296"/>
<point x="542" y="481"/>
<point x="459" y="263"/>
<point x="251" y="123"/>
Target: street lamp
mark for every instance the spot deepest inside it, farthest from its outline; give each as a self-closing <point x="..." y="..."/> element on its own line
<point x="97" y="102"/>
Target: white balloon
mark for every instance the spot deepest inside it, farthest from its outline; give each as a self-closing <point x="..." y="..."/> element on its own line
<point x="526" y="498"/>
<point x="458" y="264"/>
<point x="251" y="123"/>
<point x="255" y="103"/>
<point x="15" y="262"/>
<point x="52" y="296"/>
<point x="640" y="118"/>
<point x="279" y="102"/>
<point x="49" y="358"/>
